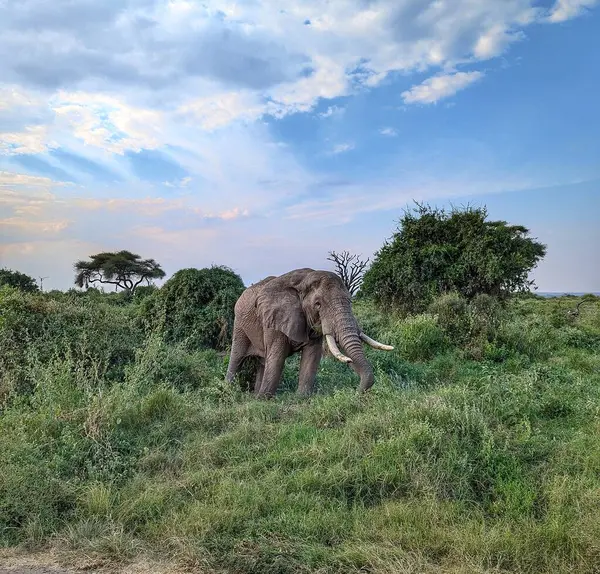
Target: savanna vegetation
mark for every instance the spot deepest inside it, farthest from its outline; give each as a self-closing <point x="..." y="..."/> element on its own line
<point x="477" y="449"/>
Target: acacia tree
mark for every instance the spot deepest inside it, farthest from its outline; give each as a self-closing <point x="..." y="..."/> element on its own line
<point x="350" y="268"/>
<point x="123" y="269"/>
<point x="435" y="252"/>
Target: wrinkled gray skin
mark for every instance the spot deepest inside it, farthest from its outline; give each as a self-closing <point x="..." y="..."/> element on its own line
<point x="280" y="316"/>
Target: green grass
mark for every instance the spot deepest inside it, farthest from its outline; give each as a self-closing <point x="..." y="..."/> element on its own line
<point x="478" y="457"/>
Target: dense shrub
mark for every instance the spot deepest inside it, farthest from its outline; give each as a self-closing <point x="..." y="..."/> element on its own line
<point x="195" y="307"/>
<point x="18" y="280"/>
<point x="96" y="337"/>
<point x="417" y="338"/>
<point x="434" y="252"/>
<point x="453" y="315"/>
<point x="158" y="363"/>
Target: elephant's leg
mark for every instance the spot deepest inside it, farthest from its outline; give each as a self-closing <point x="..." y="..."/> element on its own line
<point x="240" y="346"/>
<point x="277" y="352"/>
<point x="309" y="364"/>
<point x="260" y="371"/>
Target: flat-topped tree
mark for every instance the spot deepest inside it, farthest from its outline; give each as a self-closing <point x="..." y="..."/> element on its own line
<point x="123" y="269"/>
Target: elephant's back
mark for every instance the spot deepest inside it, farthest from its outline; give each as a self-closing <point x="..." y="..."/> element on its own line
<point x="247" y="299"/>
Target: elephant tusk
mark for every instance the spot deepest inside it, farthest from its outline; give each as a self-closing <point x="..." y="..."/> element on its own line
<point x="375" y="344"/>
<point x="335" y="351"/>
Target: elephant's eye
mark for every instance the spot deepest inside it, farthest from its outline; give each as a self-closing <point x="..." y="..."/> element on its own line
<point x="318" y="305"/>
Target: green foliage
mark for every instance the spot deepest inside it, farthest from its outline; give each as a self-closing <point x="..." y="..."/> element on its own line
<point x="472" y="325"/>
<point x="435" y="252"/>
<point x="97" y="338"/>
<point x="17" y="280"/>
<point x="453" y="315"/>
<point x="157" y="363"/>
<point x="417" y="338"/>
<point x="195" y="307"/>
<point x="123" y="269"/>
<point x="449" y="464"/>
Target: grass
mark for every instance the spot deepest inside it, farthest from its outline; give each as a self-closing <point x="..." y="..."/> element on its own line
<point x="481" y="456"/>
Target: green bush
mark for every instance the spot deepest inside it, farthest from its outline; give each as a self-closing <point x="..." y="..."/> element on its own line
<point x="195" y="307"/>
<point x="452" y="313"/>
<point x="157" y="363"/>
<point x="471" y="325"/>
<point x="433" y="252"/>
<point x="417" y="338"/>
<point x="536" y="338"/>
<point x="18" y="280"/>
<point x="97" y="338"/>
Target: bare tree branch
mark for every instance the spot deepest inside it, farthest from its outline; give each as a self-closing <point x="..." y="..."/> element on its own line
<point x="575" y="312"/>
<point x="350" y="268"/>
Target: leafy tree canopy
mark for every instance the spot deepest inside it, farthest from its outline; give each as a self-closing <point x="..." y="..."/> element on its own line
<point x="434" y="252"/>
<point x="195" y="307"/>
<point x="18" y="280"/>
<point x="123" y="269"/>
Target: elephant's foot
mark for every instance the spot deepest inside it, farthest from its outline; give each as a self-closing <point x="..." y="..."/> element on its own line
<point x="265" y="391"/>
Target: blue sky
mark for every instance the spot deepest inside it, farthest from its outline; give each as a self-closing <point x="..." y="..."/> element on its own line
<point x="243" y="134"/>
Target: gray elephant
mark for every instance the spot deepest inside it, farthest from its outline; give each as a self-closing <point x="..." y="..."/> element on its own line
<point x="280" y="316"/>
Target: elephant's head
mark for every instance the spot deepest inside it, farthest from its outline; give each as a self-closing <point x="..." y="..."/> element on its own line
<point x="304" y="301"/>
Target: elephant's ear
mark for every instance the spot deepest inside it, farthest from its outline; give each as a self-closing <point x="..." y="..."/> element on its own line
<point x="279" y="308"/>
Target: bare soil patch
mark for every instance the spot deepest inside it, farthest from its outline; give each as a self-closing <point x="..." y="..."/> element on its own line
<point x="18" y="562"/>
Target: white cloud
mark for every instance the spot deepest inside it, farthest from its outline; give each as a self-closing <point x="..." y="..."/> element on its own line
<point x="332" y="111"/>
<point x="220" y="110"/>
<point x="222" y="62"/>
<point x="328" y="80"/>
<point x="183" y="182"/>
<point x="343" y="147"/>
<point x="234" y="213"/>
<point x="108" y="123"/>
<point x="31" y="140"/>
<point x="494" y="41"/>
<point x="390" y="132"/>
<point x="29" y="227"/>
<point x="43" y="211"/>
<point x="13" y="97"/>
<point x="567" y="9"/>
<point x="104" y="122"/>
<point x="440" y="87"/>
<point x="10" y="179"/>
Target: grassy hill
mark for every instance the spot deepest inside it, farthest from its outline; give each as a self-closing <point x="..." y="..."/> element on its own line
<point x="477" y="450"/>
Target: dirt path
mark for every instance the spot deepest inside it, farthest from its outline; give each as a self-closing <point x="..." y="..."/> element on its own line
<point x="32" y="570"/>
<point x="15" y="562"/>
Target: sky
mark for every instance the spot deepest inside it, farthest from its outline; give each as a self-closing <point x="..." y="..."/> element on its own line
<point x="259" y="137"/>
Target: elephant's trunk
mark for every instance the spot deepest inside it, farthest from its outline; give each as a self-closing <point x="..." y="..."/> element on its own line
<point x="335" y="350"/>
<point x="347" y="334"/>
<point x="352" y="346"/>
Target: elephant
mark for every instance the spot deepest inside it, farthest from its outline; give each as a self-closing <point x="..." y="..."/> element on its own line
<point x="293" y="312"/>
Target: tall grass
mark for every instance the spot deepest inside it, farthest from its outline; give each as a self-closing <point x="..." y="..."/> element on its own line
<point x="476" y="450"/>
